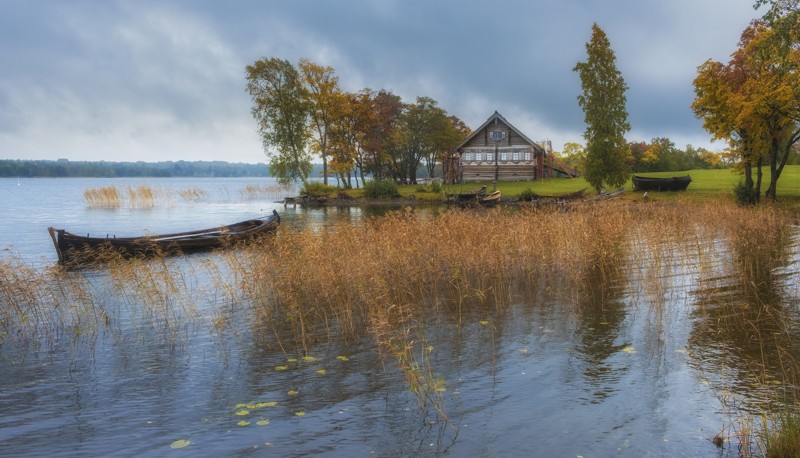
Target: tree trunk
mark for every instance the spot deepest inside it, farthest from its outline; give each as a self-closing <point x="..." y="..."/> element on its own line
<point x="759" y="179"/>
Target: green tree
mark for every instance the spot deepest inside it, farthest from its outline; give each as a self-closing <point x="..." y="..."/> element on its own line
<point x="281" y="108"/>
<point x="573" y="156"/>
<point x="603" y="103"/>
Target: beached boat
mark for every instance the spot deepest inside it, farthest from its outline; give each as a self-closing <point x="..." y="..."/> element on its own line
<point x="575" y="195"/>
<point x="77" y="249"/>
<point x="466" y="197"/>
<point x="490" y="200"/>
<point x="661" y="184"/>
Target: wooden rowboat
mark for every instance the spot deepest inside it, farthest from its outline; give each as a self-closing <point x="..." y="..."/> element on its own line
<point x="490" y="200"/>
<point x="661" y="184"/>
<point x="77" y="249"/>
<point x="466" y="197"/>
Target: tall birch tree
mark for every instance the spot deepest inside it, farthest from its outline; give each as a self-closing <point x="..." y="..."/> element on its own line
<point x="603" y="103"/>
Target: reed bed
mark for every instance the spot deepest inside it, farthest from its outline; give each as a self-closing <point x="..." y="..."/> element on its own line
<point x="266" y="191"/>
<point x="399" y="278"/>
<point x="104" y="197"/>
<point x="193" y="194"/>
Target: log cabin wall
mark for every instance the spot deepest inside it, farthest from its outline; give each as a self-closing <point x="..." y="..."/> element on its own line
<point x="517" y="159"/>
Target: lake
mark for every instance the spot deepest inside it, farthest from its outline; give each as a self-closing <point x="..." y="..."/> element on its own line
<point x="188" y="376"/>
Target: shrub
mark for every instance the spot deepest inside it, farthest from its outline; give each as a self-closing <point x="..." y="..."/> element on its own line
<point x="528" y="195"/>
<point x="316" y="189"/>
<point x="745" y="195"/>
<point x="381" y="189"/>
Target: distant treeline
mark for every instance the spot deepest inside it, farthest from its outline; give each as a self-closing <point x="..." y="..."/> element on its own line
<point x="104" y="169"/>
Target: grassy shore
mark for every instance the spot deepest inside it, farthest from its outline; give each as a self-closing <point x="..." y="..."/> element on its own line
<point x="707" y="185"/>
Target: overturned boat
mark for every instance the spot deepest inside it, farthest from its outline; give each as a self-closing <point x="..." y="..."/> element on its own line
<point x="661" y="184"/>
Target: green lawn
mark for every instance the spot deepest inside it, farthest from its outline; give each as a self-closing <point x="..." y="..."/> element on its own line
<point x="706" y="185"/>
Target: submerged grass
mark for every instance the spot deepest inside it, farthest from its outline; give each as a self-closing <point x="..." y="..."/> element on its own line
<point x="399" y="278"/>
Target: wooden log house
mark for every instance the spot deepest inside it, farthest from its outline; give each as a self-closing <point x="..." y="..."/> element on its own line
<point x="499" y="151"/>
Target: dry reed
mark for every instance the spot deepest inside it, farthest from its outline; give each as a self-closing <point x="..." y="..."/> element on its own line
<point x="394" y="278"/>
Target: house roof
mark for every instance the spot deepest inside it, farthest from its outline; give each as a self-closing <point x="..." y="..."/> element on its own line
<point x="492" y="118"/>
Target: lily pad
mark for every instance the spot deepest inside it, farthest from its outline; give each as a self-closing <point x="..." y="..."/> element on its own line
<point x="320" y="371"/>
<point x="180" y="443"/>
<point x="281" y="368"/>
<point x="484" y="322"/>
<point x="629" y="349"/>
<point x="262" y="422"/>
<point x="292" y="360"/>
<point x="343" y="358"/>
<point x="261" y="405"/>
<point x="299" y="413"/>
<point x="242" y="412"/>
<point x="292" y="392"/>
<point x="310" y="359"/>
<point x="243" y="423"/>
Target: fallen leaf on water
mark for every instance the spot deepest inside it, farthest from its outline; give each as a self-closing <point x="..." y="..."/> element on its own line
<point x="484" y="322"/>
<point x="292" y="392"/>
<point x="180" y="443"/>
<point x="299" y="413"/>
<point x="629" y="349"/>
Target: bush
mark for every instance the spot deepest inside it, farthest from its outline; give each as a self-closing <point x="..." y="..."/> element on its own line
<point x="528" y="195"/>
<point x="745" y="195"/>
<point x="381" y="189"/>
<point x="316" y="189"/>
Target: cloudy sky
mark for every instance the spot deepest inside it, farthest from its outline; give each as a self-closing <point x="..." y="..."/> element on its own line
<point x="155" y="80"/>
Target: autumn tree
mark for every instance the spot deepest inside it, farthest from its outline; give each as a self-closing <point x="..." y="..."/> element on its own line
<point x="381" y="121"/>
<point x="753" y="102"/>
<point x="281" y="109"/>
<point x="603" y="103"/>
<point x="322" y="91"/>
<point x="418" y="136"/>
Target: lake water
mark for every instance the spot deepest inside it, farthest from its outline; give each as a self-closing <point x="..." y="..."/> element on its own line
<point x="540" y="380"/>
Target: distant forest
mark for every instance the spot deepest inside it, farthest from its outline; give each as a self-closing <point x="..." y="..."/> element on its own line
<point x="66" y="168"/>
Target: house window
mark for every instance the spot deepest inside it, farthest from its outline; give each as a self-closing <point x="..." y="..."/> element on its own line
<point x="515" y="156"/>
<point x="478" y="156"/>
<point x="527" y="155"/>
<point x="489" y="156"/>
<point x="467" y="156"/>
<point x="503" y="156"/>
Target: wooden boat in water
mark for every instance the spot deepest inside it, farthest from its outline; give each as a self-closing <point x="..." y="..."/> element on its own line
<point x="661" y="184"/>
<point x="77" y="249"/>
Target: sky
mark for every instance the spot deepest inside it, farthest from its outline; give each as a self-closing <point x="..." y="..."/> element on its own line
<point x="164" y="80"/>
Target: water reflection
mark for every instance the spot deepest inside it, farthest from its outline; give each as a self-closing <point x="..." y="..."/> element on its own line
<point x="745" y="337"/>
<point x="601" y="313"/>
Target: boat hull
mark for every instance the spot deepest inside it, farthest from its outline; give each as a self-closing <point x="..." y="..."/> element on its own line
<point x="76" y="249"/>
<point x="661" y="184"/>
